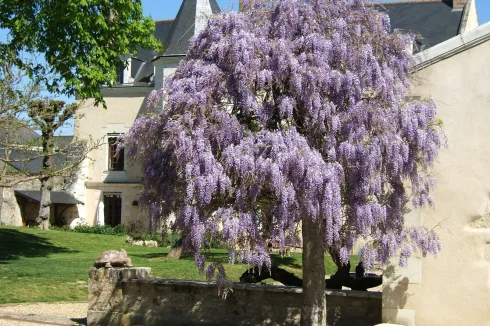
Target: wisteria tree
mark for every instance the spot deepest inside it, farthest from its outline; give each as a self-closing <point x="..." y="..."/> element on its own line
<point x="293" y="113"/>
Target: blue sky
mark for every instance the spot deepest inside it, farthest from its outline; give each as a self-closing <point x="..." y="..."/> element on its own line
<point x="166" y="9"/>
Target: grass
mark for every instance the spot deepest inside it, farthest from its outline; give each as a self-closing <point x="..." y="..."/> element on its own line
<point x="50" y="266"/>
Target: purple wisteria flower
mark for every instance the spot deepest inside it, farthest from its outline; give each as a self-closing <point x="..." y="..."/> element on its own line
<point x="295" y="110"/>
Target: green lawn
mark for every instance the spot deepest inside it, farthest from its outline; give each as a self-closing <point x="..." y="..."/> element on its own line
<point x="49" y="266"/>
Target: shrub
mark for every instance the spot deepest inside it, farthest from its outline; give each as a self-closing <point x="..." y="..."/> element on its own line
<point x="120" y="229"/>
<point x="135" y="229"/>
<point x="99" y="229"/>
<point x="60" y="228"/>
<point x="169" y="239"/>
<point x="215" y="243"/>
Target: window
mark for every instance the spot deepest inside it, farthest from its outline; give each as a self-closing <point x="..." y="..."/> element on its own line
<point x="116" y="158"/>
<point x="112" y="208"/>
<point x="120" y="74"/>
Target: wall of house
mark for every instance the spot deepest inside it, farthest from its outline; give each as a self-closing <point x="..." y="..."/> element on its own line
<point x="129" y="193"/>
<point x="129" y="296"/>
<point x="164" y="68"/>
<point x="124" y="105"/>
<point x="454" y="288"/>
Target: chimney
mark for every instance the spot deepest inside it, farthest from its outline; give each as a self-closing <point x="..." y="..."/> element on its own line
<point x="245" y="4"/>
<point x="203" y="11"/>
<point x="459" y="4"/>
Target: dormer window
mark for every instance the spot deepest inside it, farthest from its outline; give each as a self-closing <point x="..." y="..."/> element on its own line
<point x="120" y="74"/>
<point x="123" y="72"/>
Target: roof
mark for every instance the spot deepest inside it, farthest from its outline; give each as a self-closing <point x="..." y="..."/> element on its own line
<point x="453" y="46"/>
<point x="21" y="134"/>
<point x="30" y="161"/>
<point x="184" y="26"/>
<point x="141" y="66"/>
<point x="434" y="21"/>
<point x="57" y="197"/>
<point x="63" y="141"/>
<point x="174" y="34"/>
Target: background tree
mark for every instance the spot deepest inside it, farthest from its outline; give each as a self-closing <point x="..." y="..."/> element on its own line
<point x="49" y="116"/>
<point x="82" y="44"/>
<point x="25" y="155"/>
<point x="82" y="41"/>
<point x="16" y="91"/>
<point x="293" y="112"/>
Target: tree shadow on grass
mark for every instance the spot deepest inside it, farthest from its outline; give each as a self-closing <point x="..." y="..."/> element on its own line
<point x="222" y="257"/>
<point x="185" y="256"/>
<point x="15" y="244"/>
<point x="286" y="261"/>
<point x="292" y="262"/>
<point x="149" y="256"/>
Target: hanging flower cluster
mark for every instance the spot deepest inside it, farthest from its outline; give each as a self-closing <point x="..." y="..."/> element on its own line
<point x="289" y="111"/>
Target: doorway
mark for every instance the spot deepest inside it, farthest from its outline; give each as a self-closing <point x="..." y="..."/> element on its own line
<point x="112" y="209"/>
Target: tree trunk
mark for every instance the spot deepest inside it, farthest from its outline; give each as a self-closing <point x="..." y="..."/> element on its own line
<point x="46" y="180"/>
<point x="177" y="249"/>
<point x="45" y="204"/>
<point x="1" y="201"/>
<point x="314" y="309"/>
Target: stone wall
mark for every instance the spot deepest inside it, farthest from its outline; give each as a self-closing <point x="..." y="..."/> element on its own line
<point x="128" y="296"/>
<point x="12" y="214"/>
<point x="9" y="210"/>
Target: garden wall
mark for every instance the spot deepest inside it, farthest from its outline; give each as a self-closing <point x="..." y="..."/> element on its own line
<point x="128" y="296"/>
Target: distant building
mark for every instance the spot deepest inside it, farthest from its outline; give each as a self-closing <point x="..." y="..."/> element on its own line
<point x="19" y="204"/>
<point x="108" y="178"/>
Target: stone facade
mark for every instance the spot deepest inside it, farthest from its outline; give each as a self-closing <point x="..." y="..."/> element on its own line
<point x="454" y="288"/>
<point x="128" y="296"/>
<point x="124" y="106"/>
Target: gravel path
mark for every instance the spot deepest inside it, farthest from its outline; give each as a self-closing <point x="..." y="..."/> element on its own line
<point x="35" y="314"/>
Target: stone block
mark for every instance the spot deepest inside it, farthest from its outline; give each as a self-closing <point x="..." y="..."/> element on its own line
<point x="135" y="272"/>
<point x="104" y="288"/>
<point x="10" y="211"/>
<point x="98" y="318"/>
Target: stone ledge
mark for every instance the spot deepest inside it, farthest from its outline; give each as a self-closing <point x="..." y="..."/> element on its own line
<point x="135" y="272"/>
<point x="355" y="294"/>
<point x="156" y="301"/>
<point x="255" y="287"/>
